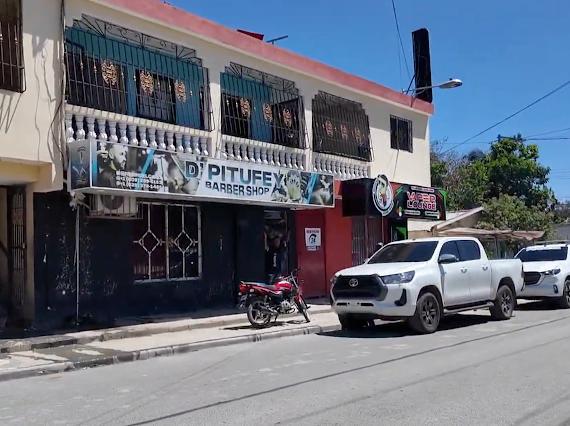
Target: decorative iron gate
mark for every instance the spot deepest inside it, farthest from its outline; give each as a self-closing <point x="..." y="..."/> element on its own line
<point x="17" y="243"/>
<point x="366" y="234"/>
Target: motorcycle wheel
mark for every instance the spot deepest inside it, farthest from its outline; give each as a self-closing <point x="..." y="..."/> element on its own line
<point x="256" y="315"/>
<point x="303" y="308"/>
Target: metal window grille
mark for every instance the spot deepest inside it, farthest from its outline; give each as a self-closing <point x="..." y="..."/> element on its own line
<point x="12" y="76"/>
<point x="340" y="127"/>
<point x="167" y="244"/>
<point x="117" y="75"/>
<point x="261" y="106"/>
<point x="401" y="136"/>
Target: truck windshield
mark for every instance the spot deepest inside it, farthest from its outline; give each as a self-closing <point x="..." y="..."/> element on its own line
<point x="543" y="255"/>
<point x="420" y="251"/>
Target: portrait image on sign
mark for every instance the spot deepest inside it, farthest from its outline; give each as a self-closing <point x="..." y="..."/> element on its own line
<point x="383" y="195"/>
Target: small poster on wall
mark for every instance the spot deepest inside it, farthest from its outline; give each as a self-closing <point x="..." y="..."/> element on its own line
<point x="313" y="239"/>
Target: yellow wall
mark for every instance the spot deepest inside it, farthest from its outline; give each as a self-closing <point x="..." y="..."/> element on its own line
<point x="29" y="120"/>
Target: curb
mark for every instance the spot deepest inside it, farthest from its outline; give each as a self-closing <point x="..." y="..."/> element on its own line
<point x="145" y="354"/>
<point x="47" y="342"/>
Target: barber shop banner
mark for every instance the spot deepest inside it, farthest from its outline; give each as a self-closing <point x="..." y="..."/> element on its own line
<point x="121" y="167"/>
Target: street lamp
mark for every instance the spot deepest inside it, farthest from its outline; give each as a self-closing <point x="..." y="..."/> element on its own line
<point x="452" y="83"/>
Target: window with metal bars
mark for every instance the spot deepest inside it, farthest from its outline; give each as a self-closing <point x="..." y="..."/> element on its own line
<point x="340" y="127"/>
<point x="12" y="75"/>
<point x="167" y="243"/>
<point x="261" y="106"/>
<point x="120" y="70"/>
<point x="401" y="136"/>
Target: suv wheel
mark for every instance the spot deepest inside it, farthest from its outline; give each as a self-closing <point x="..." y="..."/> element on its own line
<point x="564" y="301"/>
<point x="504" y="304"/>
<point x="428" y="314"/>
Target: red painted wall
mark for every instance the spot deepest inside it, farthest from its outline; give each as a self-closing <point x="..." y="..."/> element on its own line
<point x="311" y="263"/>
<point x="338" y="242"/>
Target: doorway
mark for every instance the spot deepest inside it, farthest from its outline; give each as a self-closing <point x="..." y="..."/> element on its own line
<point x="13" y="253"/>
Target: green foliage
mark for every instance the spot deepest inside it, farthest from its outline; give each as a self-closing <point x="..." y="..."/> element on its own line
<point x="506" y="180"/>
<point x="509" y="212"/>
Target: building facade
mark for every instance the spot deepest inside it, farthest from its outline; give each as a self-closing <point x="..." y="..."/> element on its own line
<point x="151" y="159"/>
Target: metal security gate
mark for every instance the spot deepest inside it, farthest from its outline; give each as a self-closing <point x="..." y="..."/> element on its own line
<point x="17" y="243"/>
<point x="366" y="234"/>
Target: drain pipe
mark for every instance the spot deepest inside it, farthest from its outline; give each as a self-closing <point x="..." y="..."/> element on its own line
<point x="77" y="265"/>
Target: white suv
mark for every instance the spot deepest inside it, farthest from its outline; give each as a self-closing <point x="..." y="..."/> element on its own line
<point x="546" y="272"/>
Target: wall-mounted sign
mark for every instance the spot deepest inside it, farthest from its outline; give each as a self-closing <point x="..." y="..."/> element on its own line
<point x="313" y="239"/>
<point x="379" y="197"/>
<point x="132" y="169"/>
<point x="383" y="195"/>
<point x="419" y="202"/>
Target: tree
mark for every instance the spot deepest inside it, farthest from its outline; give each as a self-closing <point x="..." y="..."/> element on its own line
<point x="508" y="180"/>
<point x="513" y="169"/>
<point x="509" y="212"/>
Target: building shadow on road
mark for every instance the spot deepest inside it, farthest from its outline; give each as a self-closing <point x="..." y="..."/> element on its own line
<point x="401" y="328"/>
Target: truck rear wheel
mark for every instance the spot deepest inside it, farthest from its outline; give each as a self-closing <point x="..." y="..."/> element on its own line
<point x="428" y="314"/>
<point x="504" y="304"/>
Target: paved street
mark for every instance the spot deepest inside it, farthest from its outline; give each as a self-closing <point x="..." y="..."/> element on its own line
<point x="473" y="371"/>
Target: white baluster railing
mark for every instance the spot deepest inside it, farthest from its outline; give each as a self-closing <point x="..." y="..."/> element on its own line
<point x="342" y="168"/>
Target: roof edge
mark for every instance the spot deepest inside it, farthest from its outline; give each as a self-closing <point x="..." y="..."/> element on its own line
<point x="171" y="16"/>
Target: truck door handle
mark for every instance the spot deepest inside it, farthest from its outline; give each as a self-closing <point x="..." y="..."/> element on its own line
<point x="463" y="270"/>
<point x="485" y="268"/>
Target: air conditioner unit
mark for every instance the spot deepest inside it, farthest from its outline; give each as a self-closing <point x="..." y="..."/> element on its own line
<point x="113" y="206"/>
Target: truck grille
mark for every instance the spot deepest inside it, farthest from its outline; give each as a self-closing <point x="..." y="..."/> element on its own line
<point x="369" y="287"/>
<point x="531" y="278"/>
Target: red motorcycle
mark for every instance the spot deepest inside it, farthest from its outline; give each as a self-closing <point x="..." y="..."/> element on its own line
<point x="264" y="302"/>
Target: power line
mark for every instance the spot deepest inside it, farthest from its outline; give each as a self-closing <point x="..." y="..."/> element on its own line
<point x="562" y="86"/>
<point x="549" y="132"/>
<point x="400" y="37"/>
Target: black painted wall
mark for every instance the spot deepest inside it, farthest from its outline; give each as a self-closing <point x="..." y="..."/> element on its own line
<point x="232" y="249"/>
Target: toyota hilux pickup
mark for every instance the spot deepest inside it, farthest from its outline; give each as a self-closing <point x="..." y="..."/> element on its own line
<point x="422" y="280"/>
<point x="546" y="273"/>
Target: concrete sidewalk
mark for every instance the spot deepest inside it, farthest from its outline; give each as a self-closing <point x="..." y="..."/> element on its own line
<point x="139" y="342"/>
<point x="138" y="327"/>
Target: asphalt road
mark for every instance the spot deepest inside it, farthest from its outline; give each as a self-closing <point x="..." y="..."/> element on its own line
<point x="473" y="371"/>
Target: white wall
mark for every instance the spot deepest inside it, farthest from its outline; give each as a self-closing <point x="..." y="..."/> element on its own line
<point x="29" y="121"/>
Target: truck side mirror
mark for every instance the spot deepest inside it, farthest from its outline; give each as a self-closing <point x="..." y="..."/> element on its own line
<point x="447" y="258"/>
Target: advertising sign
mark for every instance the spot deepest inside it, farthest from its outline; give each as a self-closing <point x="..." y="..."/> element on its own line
<point x="124" y="167"/>
<point x="419" y="202"/>
<point x="380" y="197"/>
<point x="313" y="238"/>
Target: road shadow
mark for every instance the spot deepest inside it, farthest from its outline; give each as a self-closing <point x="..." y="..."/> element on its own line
<point x="400" y="328"/>
<point x="539" y="305"/>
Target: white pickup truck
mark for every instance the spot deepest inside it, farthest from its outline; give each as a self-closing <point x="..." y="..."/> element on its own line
<point x="422" y="280"/>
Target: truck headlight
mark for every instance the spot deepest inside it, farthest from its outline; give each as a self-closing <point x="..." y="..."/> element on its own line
<point x="552" y="272"/>
<point x="404" y="277"/>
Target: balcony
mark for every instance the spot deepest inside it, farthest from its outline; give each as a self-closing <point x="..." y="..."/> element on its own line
<point x="340" y="127"/>
<point x="120" y="71"/>
<point x="262" y="118"/>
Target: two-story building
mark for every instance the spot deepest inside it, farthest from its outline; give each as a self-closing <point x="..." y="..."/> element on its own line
<point x="150" y="159"/>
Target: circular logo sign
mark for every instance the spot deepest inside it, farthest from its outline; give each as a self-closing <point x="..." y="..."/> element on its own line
<point x="382" y="195"/>
<point x="353" y="282"/>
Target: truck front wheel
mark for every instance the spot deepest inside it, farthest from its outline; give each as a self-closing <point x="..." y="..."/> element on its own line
<point x="428" y="314"/>
<point x="504" y="304"/>
<point x="348" y="322"/>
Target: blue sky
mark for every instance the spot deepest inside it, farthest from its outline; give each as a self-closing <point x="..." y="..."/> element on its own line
<point x="507" y="52"/>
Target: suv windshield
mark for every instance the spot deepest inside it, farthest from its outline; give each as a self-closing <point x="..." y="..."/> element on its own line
<point x="421" y="251"/>
<point x="543" y="255"/>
